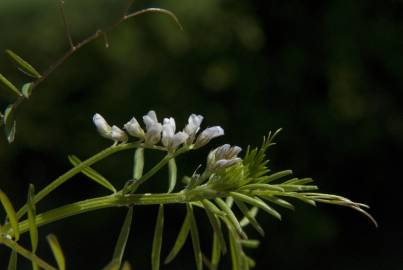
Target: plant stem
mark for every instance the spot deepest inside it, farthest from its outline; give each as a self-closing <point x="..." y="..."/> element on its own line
<point x="118" y="200"/>
<point x="66" y="176"/>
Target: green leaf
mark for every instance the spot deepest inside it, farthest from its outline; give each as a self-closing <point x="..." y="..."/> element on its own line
<point x="138" y="163"/>
<point x="262" y="187"/>
<point x="250" y="243"/>
<point x="23" y="65"/>
<point x="245" y="211"/>
<point x="172" y="174"/>
<point x="8" y="207"/>
<point x="276" y="176"/>
<point x="12" y="263"/>
<point x="216" y="225"/>
<point x="92" y="174"/>
<point x="231" y="217"/>
<point x="195" y="238"/>
<point x="297" y="181"/>
<point x="215" y="252"/>
<point x="279" y="202"/>
<point x="256" y="202"/>
<point x="9" y="123"/>
<point x="27" y="89"/>
<point x="253" y="212"/>
<point x="180" y="240"/>
<point x="123" y="236"/>
<point x="57" y="251"/>
<point x="290" y="188"/>
<point x="236" y="251"/>
<point x="7" y="85"/>
<point x="126" y="266"/>
<point x="112" y="265"/>
<point x="157" y="242"/>
<point x="33" y="229"/>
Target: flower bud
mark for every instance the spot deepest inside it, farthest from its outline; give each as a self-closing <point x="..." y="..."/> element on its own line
<point x="134" y="129"/>
<point x="193" y="127"/>
<point x="207" y="135"/>
<point x="104" y="129"/>
<point x="153" y="127"/>
<point x="118" y="135"/>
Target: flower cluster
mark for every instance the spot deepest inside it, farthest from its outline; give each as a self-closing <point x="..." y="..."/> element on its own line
<point x="156" y="132"/>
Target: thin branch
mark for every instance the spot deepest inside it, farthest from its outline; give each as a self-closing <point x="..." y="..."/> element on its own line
<point x="66" y="25"/>
<point x="91" y="38"/>
<point x="128" y="6"/>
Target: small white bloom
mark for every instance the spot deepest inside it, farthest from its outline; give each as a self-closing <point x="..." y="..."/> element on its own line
<point x="153" y="127"/>
<point x="118" y="135"/>
<point x="134" y="129"/>
<point x="207" y="135"/>
<point x="223" y="157"/>
<point x="193" y="127"/>
<point x="104" y="129"/>
<point x="169" y="139"/>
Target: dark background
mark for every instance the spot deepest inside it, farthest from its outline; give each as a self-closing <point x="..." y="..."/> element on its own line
<point x="328" y="72"/>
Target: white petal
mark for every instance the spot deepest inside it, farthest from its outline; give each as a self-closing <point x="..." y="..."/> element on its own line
<point x="118" y="135"/>
<point x="102" y="126"/>
<point x="207" y="135"/>
<point x="150" y="119"/>
<point x="133" y="128"/>
<point x="153" y="135"/>
<point x="178" y="139"/>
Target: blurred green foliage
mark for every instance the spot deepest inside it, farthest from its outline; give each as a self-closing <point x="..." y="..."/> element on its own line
<point x="328" y="72"/>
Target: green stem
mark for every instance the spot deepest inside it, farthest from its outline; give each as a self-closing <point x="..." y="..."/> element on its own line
<point x="26" y="253"/>
<point x="118" y="200"/>
<point x="66" y="176"/>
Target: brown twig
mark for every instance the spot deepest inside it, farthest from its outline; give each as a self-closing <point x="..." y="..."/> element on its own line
<point x="89" y="39"/>
<point x="66" y="25"/>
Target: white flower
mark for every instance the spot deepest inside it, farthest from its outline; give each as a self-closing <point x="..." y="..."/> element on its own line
<point x="193" y="127"/>
<point x="102" y="126"/>
<point x="105" y="130"/>
<point x="169" y="138"/>
<point x="207" y="135"/>
<point x="153" y="127"/>
<point x="134" y="129"/>
<point x="118" y="135"/>
<point x="223" y="157"/>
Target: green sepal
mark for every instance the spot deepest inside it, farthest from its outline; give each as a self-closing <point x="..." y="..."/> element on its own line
<point x="23" y="65"/>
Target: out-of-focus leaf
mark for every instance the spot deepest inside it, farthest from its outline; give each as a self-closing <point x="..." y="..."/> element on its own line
<point x="195" y="239"/>
<point x="12" y="263"/>
<point x="157" y="242"/>
<point x="236" y="251"/>
<point x="172" y="174"/>
<point x="27" y="89"/>
<point x="112" y="265"/>
<point x="8" y="207"/>
<point x="92" y="174"/>
<point x="23" y="65"/>
<point x="33" y="229"/>
<point x="250" y="243"/>
<point x="57" y="251"/>
<point x="9" y="123"/>
<point x="180" y="240"/>
<point x="7" y="85"/>
<point x="126" y="266"/>
<point x="123" y="236"/>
